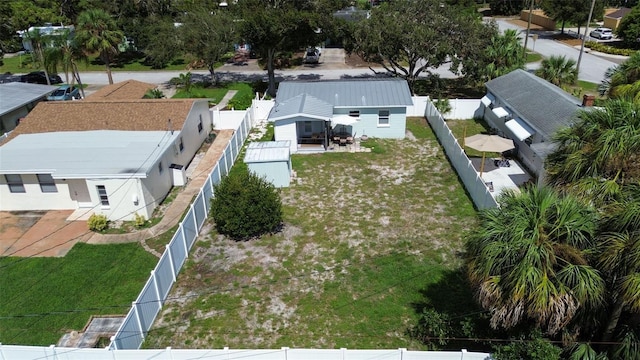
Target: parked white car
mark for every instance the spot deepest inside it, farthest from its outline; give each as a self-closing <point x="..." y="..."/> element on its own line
<point x="602" y="33"/>
<point x="312" y="56"/>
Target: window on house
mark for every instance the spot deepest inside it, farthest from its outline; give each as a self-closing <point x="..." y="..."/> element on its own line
<point x="160" y="168"/>
<point x="307" y="127"/>
<point x="181" y="145"/>
<point x="354" y="113"/>
<point x="15" y="183"/>
<point x="47" y="185"/>
<point x="200" y="127"/>
<point x="102" y="192"/>
<point x="383" y="118"/>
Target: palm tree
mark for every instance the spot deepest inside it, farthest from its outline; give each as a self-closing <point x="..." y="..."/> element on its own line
<point x="622" y="81"/>
<point x="599" y="153"/>
<point x="97" y="32"/>
<point x="528" y="260"/>
<point x="38" y="48"/>
<point x="503" y="52"/>
<point x="558" y="70"/>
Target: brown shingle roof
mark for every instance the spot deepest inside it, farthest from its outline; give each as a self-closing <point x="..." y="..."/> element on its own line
<point x="132" y="115"/>
<point x="619" y="14"/>
<point x="126" y="90"/>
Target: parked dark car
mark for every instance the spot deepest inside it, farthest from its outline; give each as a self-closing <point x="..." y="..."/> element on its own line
<point x="38" y="77"/>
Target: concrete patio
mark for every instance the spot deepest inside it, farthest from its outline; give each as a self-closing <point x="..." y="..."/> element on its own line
<point x="502" y="178"/>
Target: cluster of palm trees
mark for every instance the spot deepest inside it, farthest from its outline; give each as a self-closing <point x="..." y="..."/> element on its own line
<point x="565" y="258"/>
<point x="95" y="33"/>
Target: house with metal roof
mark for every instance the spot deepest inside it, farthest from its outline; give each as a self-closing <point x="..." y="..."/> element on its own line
<point x="17" y="100"/>
<point x="318" y="115"/>
<point x="116" y="158"/>
<point x="529" y="110"/>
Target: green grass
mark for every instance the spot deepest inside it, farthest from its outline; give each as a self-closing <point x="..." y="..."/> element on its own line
<point x="466" y="128"/>
<point x="240" y="101"/>
<point x="588" y="87"/>
<point x="533" y="57"/>
<point x="42" y="298"/>
<point x="368" y="239"/>
<point x="134" y="62"/>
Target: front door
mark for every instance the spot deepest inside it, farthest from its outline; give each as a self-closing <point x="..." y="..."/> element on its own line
<point x="80" y="193"/>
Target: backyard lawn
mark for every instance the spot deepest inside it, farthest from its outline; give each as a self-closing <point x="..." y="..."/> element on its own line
<point x="42" y="298"/>
<point x="369" y="240"/>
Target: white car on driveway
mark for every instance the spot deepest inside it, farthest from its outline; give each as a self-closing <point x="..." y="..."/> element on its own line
<point x="601" y="33"/>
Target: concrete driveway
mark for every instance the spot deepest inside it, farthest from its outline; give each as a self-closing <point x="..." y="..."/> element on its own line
<point x="36" y="233"/>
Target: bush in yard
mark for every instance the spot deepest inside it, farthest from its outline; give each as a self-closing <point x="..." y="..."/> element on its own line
<point x="98" y="222"/>
<point x="246" y="205"/>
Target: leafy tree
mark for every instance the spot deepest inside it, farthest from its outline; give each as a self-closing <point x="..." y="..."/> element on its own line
<point x="160" y="41"/>
<point x="529" y="260"/>
<point x="506" y="7"/>
<point x="407" y="37"/>
<point x="38" y="46"/>
<point x="272" y="26"/>
<point x="574" y="11"/>
<point x="97" y="32"/>
<point x="27" y="13"/>
<point x="209" y="36"/>
<point x="558" y="70"/>
<point x="533" y="347"/>
<point x="629" y="29"/>
<point x="246" y="205"/>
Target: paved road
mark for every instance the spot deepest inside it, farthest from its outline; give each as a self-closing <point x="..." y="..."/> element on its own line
<point x="592" y="68"/>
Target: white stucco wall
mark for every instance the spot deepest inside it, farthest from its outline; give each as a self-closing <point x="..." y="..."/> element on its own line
<point x="286" y="130"/>
<point x="33" y="198"/>
<point x="120" y="193"/>
<point x="191" y="138"/>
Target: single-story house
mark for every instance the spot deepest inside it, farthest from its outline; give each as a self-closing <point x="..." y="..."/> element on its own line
<point x="529" y="110"/>
<point x="17" y="100"/>
<point x="613" y="19"/>
<point x="125" y="90"/>
<point x="109" y="157"/>
<point x="312" y="114"/>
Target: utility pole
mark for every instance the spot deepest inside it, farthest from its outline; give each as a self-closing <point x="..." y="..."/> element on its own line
<point x="526" y="39"/>
<point x="584" y="38"/>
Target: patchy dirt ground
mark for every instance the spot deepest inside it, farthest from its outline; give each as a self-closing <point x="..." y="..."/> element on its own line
<point x="363" y="234"/>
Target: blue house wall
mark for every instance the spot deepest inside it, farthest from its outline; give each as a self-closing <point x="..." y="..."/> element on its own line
<point x="369" y="122"/>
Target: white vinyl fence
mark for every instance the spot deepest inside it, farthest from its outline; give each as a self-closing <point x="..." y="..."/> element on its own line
<point x="480" y="194"/>
<point x="144" y="310"/>
<point x="9" y="352"/>
<point x="460" y="108"/>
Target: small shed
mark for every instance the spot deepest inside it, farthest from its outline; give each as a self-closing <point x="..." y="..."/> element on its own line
<point x="271" y="160"/>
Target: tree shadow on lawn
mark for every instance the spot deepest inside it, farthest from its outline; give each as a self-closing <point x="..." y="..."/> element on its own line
<point x="452" y="297"/>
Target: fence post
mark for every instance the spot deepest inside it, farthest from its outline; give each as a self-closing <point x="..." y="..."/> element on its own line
<point x="204" y="204"/>
<point x="343" y="353"/>
<point x="155" y="285"/>
<point x="135" y="309"/>
<point x="195" y="221"/>
<point x="173" y="269"/>
<point x="113" y="344"/>
<point x="285" y="351"/>
<point x="402" y="350"/>
<point x="463" y="351"/>
<point x="184" y="240"/>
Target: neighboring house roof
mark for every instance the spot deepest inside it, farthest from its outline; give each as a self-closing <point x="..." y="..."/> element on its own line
<point x="303" y="104"/>
<point x="267" y="151"/>
<point x="352" y="93"/>
<point x="126" y="90"/>
<point x="619" y="14"/>
<point x="544" y="106"/>
<point x="135" y="115"/>
<point x="16" y="95"/>
<point x="96" y="154"/>
<point x="352" y="14"/>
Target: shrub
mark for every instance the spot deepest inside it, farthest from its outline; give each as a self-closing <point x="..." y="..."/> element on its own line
<point x="98" y="222"/>
<point x="246" y="205"/>
<point x="139" y="220"/>
<point x="596" y="46"/>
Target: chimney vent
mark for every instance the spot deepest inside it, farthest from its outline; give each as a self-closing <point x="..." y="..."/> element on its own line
<point x="587" y="100"/>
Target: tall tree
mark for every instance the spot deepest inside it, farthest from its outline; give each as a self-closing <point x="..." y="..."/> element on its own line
<point x="407" y="38"/>
<point x="209" y="35"/>
<point x="39" y="43"/>
<point x="529" y="260"/>
<point x="272" y="26"/>
<point x="97" y="33"/>
<point x="629" y="29"/>
<point x="600" y="152"/>
<point x="558" y="70"/>
<point x="623" y="81"/>
<point x="573" y="11"/>
<point x="66" y="53"/>
<point x="501" y="55"/>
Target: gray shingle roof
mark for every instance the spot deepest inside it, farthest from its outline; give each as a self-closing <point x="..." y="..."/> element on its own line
<point x="14" y="95"/>
<point x="351" y="93"/>
<point x="303" y="104"/>
<point x="541" y="104"/>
